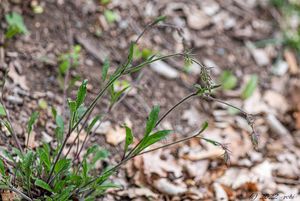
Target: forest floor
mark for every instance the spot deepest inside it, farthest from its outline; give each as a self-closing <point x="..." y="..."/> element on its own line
<point x="233" y="36"/>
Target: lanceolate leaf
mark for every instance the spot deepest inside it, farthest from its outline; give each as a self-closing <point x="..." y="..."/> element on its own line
<point x="62" y="164"/>
<point x="105" y="68"/>
<point x="250" y="87"/>
<point x="155" y="137"/>
<point x="152" y="119"/>
<point x="92" y="124"/>
<point x="131" y="51"/>
<point x="40" y="183"/>
<point x="81" y="94"/>
<point x="2" y="110"/>
<point x="2" y="168"/>
<point x="129" y="138"/>
<point x="31" y="121"/>
<point x="159" y="19"/>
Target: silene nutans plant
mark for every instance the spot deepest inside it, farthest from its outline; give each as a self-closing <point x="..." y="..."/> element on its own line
<point x="52" y="173"/>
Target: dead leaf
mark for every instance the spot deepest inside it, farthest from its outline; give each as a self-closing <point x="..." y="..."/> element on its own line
<point x="165" y="186"/>
<point x="31" y="140"/>
<point x="17" y="79"/>
<point x="154" y="164"/>
<point x="276" y="101"/>
<point x="138" y="192"/>
<point x="220" y="192"/>
<point x="292" y="61"/>
<point x="7" y="195"/>
<point x="115" y="135"/>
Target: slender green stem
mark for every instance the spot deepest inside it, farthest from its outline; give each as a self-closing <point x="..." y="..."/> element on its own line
<point x="88" y="111"/>
<point x="163" y="117"/>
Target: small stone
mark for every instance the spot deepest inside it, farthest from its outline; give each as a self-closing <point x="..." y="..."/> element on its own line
<point x="280" y="68"/>
<point x="15" y="100"/>
<point x="210" y="7"/>
<point x="260" y="56"/>
<point x="197" y="19"/>
<point x="164" y="69"/>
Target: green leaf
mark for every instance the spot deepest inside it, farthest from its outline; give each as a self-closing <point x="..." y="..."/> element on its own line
<point x="40" y="183"/>
<point x="105" y="68"/>
<point x="32" y="121"/>
<point x="64" y="66"/>
<point x="104" y="2"/>
<point x="72" y="105"/>
<point x="110" y="16"/>
<point x="59" y="131"/>
<point x="250" y="87"/>
<point x="152" y="139"/>
<point x="99" y="155"/>
<point x="118" y="94"/>
<point x="62" y="165"/>
<point x="159" y="19"/>
<point x="146" y="53"/>
<point x="152" y="119"/>
<point x="131" y="52"/>
<point x="44" y="155"/>
<point x="81" y="94"/>
<point x="211" y="141"/>
<point x="2" y="168"/>
<point x="15" y="25"/>
<point x="92" y="124"/>
<point x="43" y="104"/>
<point x="84" y="168"/>
<point x="228" y="80"/>
<point x="2" y="110"/>
<point x="129" y="138"/>
<point x="7" y="125"/>
<point x="27" y="163"/>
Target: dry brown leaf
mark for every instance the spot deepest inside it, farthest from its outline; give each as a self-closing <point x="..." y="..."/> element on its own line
<point x="165" y="186"/>
<point x="7" y="195"/>
<point x="154" y="164"/>
<point x="212" y="153"/>
<point x="220" y="193"/>
<point x="18" y="79"/>
<point x="292" y="61"/>
<point x="31" y="140"/>
<point x="297" y="116"/>
<point x="138" y="192"/>
<point x="276" y="101"/>
<point x="115" y="135"/>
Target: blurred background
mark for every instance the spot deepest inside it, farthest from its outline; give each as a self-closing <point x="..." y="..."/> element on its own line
<point x="252" y="48"/>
